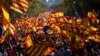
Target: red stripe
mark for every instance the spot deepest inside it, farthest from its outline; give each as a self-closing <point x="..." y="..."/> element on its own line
<point x="20" y="7"/>
<point x="5" y="21"/>
<point x="26" y="40"/>
<point x="23" y="2"/>
<point x="27" y="45"/>
<point x="31" y="38"/>
<point x="24" y="7"/>
<point x="3" y="6"/>
<point x="16" y="7"/>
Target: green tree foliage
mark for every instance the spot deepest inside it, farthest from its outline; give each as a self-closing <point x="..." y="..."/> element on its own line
<point x="68" y="7"/>
<point x="82" y="6"/>
<point x="36" y="7"/>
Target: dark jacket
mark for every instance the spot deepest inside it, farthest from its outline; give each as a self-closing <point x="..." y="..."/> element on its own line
<point x="67" y="53"/>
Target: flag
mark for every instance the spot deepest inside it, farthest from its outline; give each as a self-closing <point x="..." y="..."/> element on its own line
<point x="29" y="41"/>
<point x="9" y="26"/>
<point x="24" y="4"/>
<point x="38" y="50"/>
<point x="5" y="13"/>
<point x="16" y="7"/>
<point x="6" y="33"/>
<point x="20" y="6"/>
<point x="6" y="17"/>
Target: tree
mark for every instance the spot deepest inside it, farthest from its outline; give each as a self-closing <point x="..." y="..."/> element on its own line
<point x="80" y="7"/>
<point x="36" y="7"/>
<point x="68" y="7"/>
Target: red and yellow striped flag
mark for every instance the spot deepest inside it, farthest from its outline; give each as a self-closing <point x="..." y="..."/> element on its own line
<point x="16" y="7"/>
<point x="24" y="4"/>
<point x="20" y="6"/>
<point x="5" y="13"/>
<point x="38" y="50"/>
<point x="6" y="17"/>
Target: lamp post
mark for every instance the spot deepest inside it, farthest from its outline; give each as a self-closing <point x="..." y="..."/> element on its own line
<point x="74" y="7"/>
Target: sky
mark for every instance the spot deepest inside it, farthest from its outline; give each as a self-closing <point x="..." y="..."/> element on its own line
<point x="50" y="2"/>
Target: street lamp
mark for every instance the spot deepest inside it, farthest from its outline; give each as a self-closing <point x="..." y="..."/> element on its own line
<point x="51" y="3"/>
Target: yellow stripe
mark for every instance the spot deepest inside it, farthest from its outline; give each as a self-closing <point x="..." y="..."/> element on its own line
<point x="5" y="13"/>
<point x="39" y="53"/>
<point x="24" y="1"/>
<point x="16" y="7"/>
<point x="32" y="49"/>
<point x="45" y="44"/>
<point x="25" y="10"/>
<point x="24" y="7"/>
<point x="38" y="49"/>
<point x="29" y="50"/>
<point x="29" y="41"/>
<point x="35" y="50"/>
<point x="17" y="10"/>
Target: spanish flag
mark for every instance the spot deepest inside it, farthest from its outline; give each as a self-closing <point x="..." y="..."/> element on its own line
<point x="29" y="41"/>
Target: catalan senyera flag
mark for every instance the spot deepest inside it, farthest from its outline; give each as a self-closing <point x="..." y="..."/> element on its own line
<point x="29" y="41"/>
<point x="24" y="4"/>
<point x="6" y="17"/>
<point x="16" y="7"/>
<point x="20" y="6"/>
<point x="38" y="50"/>
<point x="7" y="26"/>
<point x="5" y="13"/>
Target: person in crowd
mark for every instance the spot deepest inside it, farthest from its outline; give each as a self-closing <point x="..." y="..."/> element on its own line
<point x="75" y="30"/>
<point x="67" y="52"/>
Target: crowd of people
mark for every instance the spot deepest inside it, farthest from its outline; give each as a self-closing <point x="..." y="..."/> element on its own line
<point x="71" y="36"/>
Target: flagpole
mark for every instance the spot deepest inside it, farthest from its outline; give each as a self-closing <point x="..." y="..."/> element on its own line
<point x="73" y="6"/>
